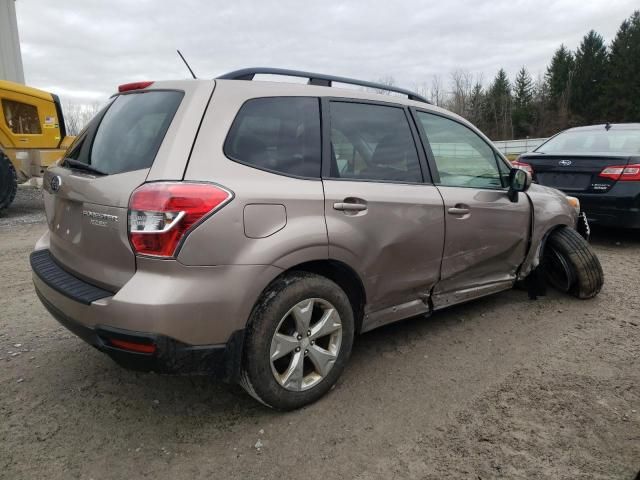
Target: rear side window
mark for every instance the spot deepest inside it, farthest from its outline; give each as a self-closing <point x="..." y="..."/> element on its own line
<point x="372" y="142"/>
<point x="21" y="118"/>
<point x="280" y="134"/>
<point x="128" y="134"/>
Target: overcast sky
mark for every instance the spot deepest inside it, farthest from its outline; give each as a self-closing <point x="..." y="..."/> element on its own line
<point x="82" y="49"/>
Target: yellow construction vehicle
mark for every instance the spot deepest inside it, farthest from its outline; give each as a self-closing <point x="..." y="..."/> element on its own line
<point x="32" y="135"/>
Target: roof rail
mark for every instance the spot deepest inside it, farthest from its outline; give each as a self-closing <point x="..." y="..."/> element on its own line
<point x="317" y="79"/>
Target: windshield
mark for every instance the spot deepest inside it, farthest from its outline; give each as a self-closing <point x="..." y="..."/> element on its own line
<point x="128" y="134"/>
<point x="594" y="141"/>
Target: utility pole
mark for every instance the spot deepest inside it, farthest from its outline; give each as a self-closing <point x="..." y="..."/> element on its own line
<point x="10" y="56"/>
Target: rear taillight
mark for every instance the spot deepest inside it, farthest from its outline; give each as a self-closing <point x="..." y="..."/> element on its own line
<point x="625" y="173"/>
<point x="161" y="214"/>
<point x="523" y="166"/>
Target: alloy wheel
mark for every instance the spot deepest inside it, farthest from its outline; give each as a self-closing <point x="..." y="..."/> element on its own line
<point x="306" y="344"/>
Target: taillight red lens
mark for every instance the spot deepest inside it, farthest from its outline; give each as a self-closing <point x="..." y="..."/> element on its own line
<point x="161" y="214"/>
<point x="523" y="166"/>
<point x="625" y="173"/>
<point x="127" y="87"/>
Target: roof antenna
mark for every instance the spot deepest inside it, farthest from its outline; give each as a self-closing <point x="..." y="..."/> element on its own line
<point x="185" y="62"/>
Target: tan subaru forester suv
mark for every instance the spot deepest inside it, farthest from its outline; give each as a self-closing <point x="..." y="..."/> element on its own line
<point x="249" y="230"/>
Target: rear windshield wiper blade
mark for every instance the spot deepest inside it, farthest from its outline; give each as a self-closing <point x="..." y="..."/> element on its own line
<point x="82" y="166"/>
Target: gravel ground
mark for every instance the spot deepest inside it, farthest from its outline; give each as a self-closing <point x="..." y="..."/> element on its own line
<point x="26" y="208"/>
<point x="503" y="387"/>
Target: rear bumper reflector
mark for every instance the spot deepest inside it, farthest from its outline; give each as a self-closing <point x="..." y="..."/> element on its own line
<point x="133" y="346"/>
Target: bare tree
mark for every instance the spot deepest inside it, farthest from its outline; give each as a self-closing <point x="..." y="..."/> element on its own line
<point x="77" y="115"/>
<point x="422" y="89"/>
<point x="461" y="90"/>
<point x="437" y="96"/>
<point x="387" y="80"/>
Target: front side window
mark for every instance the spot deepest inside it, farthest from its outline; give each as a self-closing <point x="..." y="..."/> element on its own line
<point x="280" y="134"/>
<point x="372" y="142"/>
<point x="462" y="157"/>
<point x="21" y="118"/>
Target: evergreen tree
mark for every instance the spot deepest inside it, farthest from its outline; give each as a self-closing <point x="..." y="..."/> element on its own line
<point x="588" y="84"/>
<point x="476" y="106"/>
<point x="498" y="107"/>
<point x="558" y="75"/>
<point x="523" y="104"/>
<point x="622" y="92"/>
<point x="543" y="110"/>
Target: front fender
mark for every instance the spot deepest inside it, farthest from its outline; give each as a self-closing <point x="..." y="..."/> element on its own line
<point x="551" y="210"/>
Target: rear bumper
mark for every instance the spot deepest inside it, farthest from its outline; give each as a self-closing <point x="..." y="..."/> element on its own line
<point x="614" y="218"/>
<point x="194" y="316"/>
<point x="619" y="207"/>
<point x="169" y="356"/>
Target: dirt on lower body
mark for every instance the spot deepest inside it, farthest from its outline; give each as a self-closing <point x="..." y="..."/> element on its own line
<point x="503" y="387"/>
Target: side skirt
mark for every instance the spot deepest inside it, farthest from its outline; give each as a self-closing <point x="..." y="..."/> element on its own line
<point x="395" y="313"/>
<point x="447" y="299"/>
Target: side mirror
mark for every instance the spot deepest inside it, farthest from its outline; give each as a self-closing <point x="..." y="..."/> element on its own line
<point x="519" y="181"/>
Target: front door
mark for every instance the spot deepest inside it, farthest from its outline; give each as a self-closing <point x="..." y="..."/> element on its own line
<point x="383" y="220"/>
<point x="486" y="233"/>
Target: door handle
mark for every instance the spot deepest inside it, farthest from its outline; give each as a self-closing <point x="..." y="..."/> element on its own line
<point x="349" y="207"/>
<point x="458" y="211"/>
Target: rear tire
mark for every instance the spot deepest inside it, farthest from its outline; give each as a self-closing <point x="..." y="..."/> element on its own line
<point x="286" y="381"/>
<point x="571" y="265"/>
<point x="8" y="182"/>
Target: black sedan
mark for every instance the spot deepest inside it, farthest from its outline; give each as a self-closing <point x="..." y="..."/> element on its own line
<point x="598" y="164"/>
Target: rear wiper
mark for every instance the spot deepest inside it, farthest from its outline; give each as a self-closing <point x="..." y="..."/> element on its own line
<point x="82" y="166"/>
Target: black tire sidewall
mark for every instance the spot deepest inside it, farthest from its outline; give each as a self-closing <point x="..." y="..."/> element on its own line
<point x="586" y="267"/>
<point x="276" y="301"/>
<point x="8" y="182"/>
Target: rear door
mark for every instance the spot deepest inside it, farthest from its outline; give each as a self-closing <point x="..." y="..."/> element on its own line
<point x="382" y="218"/>
<point x="486" y="233"/>
<point x="86" y="199"/>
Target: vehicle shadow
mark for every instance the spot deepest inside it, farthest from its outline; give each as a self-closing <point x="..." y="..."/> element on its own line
<point x="175" y="398"/>
<point x="614" y="237"/>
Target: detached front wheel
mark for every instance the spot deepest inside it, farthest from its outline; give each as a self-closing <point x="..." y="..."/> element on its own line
<point x="571" y="265"/>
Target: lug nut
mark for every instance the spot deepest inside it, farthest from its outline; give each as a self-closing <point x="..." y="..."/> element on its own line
<point x="297" y="349"/>
<point x="299" y="337"/>
<point x="313" y="342"/>
<point x="306" y="352"/>
<point x="308" y="333"/>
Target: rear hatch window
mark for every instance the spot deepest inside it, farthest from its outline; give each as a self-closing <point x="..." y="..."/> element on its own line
<point x="625" y="142"/>
<point x="127" y="134"/>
